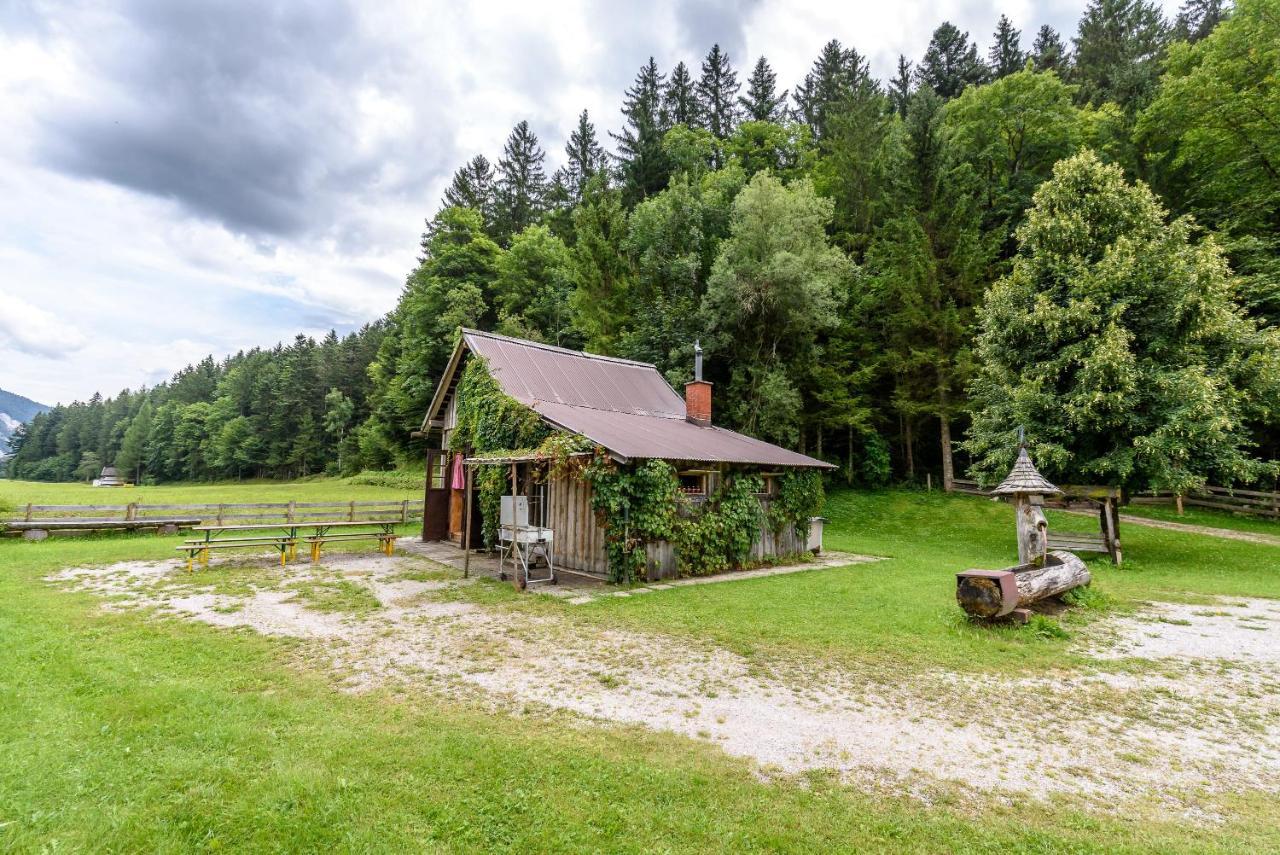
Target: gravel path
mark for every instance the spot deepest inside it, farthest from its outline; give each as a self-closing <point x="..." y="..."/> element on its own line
<point x="1228" y="533"/>
<point x="1202" y="718"/>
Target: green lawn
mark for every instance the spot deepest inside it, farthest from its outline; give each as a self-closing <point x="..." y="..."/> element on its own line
<point x="901" y="613"/>
<point x="128" y="731"/>
<point x="17" y="493"/>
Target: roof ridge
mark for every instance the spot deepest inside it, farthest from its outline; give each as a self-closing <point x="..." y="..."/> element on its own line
<point x="557" y="349"/>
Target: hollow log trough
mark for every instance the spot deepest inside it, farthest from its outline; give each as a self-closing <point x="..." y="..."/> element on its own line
<point x="997" y="593"/>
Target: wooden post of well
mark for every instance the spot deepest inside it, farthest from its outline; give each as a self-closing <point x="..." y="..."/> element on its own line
<point x="466" y="526"/>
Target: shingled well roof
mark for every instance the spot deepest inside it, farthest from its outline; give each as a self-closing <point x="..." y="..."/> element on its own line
<point x="626" y="407"/>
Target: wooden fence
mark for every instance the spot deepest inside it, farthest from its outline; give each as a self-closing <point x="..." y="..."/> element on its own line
<point x="1258" y="503"/>
<point x="222" y="514"/>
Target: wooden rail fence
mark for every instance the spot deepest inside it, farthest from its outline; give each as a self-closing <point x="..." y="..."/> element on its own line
<point x="137" y="515"/>
<point x="1258" y="503"/>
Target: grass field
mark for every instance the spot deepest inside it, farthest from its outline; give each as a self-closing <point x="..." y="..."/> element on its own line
<point x="124" y="730"/>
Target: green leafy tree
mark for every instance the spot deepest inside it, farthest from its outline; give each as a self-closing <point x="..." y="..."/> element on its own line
<point x="784" y="149"/>
<point x="773" y="289"/>
<point x="532" y="288"/>
<point x="950" y="62"/>
<point x="1214" y="137"/>
<point x="1116" y="342"/>
<point x="472" y="187"/>
<point x="1006" y="55"/>
<point x="1010" y="133"/>
<point x="90" y="466"/>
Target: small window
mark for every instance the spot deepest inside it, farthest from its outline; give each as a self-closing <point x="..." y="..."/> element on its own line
<point x="693" y="483"/>
<point x="439" y="470"/>
<point x="770" y="484"/>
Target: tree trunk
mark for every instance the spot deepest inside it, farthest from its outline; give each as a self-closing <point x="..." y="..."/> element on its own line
<point x="908" y="449"/>
<point x="990" y="594"/>
<point x="849" y="474"/>
<point x="948" y="466"/>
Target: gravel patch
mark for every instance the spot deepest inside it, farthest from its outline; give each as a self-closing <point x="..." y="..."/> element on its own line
<point x="1202" y="717"/>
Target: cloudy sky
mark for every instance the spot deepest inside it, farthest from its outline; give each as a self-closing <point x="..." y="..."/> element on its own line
<point x="185" y="178"/>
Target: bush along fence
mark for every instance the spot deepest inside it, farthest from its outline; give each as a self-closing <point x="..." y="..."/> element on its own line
<point x="136" y="515"/>
<point x="1257" y="503"/>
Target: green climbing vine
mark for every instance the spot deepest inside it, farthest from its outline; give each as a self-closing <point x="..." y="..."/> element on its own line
<point x="717" y="534"/>
<point x="635" y="506"/>
<point x="799" y="497"/>
<point x="488" y="419"/>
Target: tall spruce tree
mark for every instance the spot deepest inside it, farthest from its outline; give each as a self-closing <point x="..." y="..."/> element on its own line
<point x="900" y="87"/>
<point x="834" y="74"/>
<point x="1048" y="51"/>
<point x="1006" y="55"/>
<point x="925" y="270"/>
<point x="1197" y="18"/>
<point x="680" y="99"/>
<point x="718" y="94"/>
<point x="584" y="158"/>
<point x="644" y="165"/>
<point x="763" y="102"/>
<point x="951" y="62"/>
<point x="472" y="187"/>
<point x="1118" y="51"/>
<point x="521" y="184"/>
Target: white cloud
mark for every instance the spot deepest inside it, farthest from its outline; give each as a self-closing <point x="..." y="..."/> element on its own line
<point x="183" y="179"/>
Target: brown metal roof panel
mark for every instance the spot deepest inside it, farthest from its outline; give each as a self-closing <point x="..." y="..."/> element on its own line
<point x="529" y="371"/>
<point x="634" y="436"/>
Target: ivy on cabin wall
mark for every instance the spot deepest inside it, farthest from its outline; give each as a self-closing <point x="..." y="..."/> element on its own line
<point x="718" y="534"/>
<point x="635" y="505"/>
<point x="799" y="498"/>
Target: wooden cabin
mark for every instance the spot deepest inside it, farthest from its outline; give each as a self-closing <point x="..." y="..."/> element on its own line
<point x="623" y="407"/>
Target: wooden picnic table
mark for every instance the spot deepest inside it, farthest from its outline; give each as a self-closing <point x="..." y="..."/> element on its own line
<point x="288" y="542"/>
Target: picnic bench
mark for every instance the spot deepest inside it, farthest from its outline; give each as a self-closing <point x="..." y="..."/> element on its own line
<point x="286" y="541"/>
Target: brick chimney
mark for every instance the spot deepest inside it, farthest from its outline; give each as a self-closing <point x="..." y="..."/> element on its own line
<point x="697" y="393"/>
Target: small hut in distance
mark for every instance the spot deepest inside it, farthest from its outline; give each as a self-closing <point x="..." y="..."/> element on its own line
<point x="110" y="477"/>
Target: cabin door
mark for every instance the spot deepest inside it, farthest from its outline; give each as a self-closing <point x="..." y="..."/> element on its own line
<point x="435" y="505"/>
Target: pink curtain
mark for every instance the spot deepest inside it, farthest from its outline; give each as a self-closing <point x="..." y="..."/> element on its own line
<point x="459" y="479"/>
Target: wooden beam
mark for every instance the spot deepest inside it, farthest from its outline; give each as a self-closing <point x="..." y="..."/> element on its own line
<point x="466" y="526"/>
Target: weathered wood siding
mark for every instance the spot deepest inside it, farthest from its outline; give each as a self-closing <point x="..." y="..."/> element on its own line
<point x="579" y="541"/>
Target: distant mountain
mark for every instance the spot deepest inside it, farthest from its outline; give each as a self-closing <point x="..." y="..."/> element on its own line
<point x="14" y="410"/>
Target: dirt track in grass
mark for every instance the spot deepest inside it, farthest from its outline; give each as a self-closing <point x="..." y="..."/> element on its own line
<point x="1200" y="716"/>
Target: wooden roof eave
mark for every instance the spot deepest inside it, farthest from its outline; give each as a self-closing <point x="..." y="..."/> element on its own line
<point x="445" y="384"/>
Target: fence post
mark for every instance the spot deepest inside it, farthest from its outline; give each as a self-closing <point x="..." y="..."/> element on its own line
<point x="289" y="513"/>
<point x="351" y="512"/>
<point x="131" y="512"/>
<point x="28" y="512"/>
<point x="404" y="511"/>
<point x="220" y="509"/>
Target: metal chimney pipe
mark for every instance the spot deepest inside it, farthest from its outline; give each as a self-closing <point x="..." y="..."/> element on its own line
<point x="697" y="360"/>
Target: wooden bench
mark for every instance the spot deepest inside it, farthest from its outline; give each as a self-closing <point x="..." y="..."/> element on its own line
<point x="286" y="544"/>
<point x="386" y="541"/>
<point x="1072" y="541"/>
<point x="32" y="528"/>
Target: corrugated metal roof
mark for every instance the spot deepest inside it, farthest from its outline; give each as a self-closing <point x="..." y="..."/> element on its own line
<point x="669" y="438"/>
<point x="626" y="407"/>
<point x="529" y="372"/>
